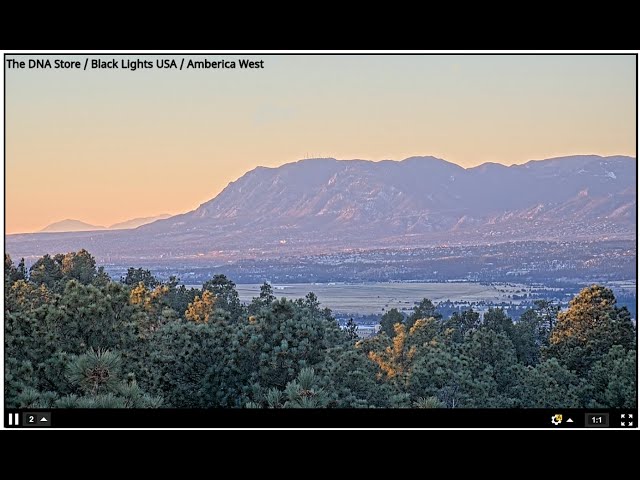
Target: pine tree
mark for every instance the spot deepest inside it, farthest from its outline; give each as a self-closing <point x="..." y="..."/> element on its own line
<point x="202" y="309"/>
<point x="302" y="392"/>
<point x="388" y="321"/>
<point x="428" y="402"/>
<point x="351" y="330"/>
<point x="589" y="328"/>
<point x="425" y="309"/>
<point x="135" y="276"/>
<point x="96" y="371"/>
<point x="226" y="295"/>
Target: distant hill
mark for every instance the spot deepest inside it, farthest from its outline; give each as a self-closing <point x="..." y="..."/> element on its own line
<point x="136" y="222"/>
<point x="70" y="225"/>
<point x="319" y="205"/>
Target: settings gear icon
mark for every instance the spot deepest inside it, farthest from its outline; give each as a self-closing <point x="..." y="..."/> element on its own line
<point x="556" y="419"/>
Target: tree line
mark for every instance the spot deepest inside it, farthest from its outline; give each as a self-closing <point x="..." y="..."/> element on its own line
<point x="75" y="338"/>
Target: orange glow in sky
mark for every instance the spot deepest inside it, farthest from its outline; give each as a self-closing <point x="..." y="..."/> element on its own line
<point x="105" y="146"/>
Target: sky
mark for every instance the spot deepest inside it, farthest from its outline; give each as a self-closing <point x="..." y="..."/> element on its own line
<point x="104" y="146"/>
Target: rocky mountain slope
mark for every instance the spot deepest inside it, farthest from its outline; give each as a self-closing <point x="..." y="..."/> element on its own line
<point x="317" y="204"/>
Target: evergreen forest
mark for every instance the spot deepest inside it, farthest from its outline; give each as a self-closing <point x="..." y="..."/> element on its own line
<point x="75" y="338"/>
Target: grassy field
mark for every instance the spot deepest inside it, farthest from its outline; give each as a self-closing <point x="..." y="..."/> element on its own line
<point x="379" y="297"/>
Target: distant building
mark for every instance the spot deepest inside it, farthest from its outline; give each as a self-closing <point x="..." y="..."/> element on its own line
<point x="368" y="331"/>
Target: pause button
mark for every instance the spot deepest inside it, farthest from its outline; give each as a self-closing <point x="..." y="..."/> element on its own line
<point x="14" y="419"/>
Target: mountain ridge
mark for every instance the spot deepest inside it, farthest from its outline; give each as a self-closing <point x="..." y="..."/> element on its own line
<point x="137" y="222"/>
<point x="317" y="204"/>
<point x="70" y="225"/>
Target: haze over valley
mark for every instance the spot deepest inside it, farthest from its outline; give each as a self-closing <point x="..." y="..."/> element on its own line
<point x="561" y="223"/>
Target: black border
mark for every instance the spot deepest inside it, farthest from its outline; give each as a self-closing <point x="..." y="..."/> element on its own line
<point x="327" y="418"/>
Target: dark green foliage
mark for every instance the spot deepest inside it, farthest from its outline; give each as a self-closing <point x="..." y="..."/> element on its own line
<point x="265" y="299"/>
<point x="528" y="337"/>
<point x="21" y="271"/>
<point x="285" y="338"/>
<point x="589" y="329"/>
<point x="178" y="297"/>
<point x="192" y="366"/>
<point x="493" y="357"/>
<point x="612" y="380"/>
<point x="351" y="381"/>
<point x="55" y="272"/>
<point x="550" y="385"/>
<point x="9" y="269"/>
<point x="351" y="330"/>
<point x="79" y="266"/>
<point x="46" y="271"/>
<point x="548" y="314"/>
<point x="443" y="374"/>
<point x="226" y="295"/>
<point x="135" y="276"/>
<point x="496" y="320"/>
<point x="302" y="392"/>
<point x="101" y="279"/>
<point x="266" y="293"/>
<point x="44" y="330"/>
<point x="425" y="309"/>
<point x="12" y="273"/>
<point x="461" y="324"/>
<point x="389" y="319"/>
<point x="429" y="402"/>
<point x="95" y="372"/>
<point x="97" y="375"/>
<point x="76" y="339"/>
